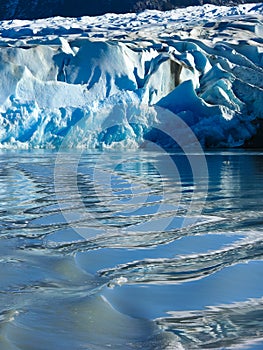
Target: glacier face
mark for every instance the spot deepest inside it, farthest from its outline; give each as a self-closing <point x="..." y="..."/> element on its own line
<point x="113" y="80"/>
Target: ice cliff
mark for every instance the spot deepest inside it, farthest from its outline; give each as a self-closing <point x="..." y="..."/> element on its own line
<point x="113" y="80"/>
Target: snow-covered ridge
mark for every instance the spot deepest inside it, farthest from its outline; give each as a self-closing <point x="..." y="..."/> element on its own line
<point x="33" y="9"/>
<point x="104" y="80"/>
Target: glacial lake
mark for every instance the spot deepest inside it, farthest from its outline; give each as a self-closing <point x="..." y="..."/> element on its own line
<point x="131" y="250"/>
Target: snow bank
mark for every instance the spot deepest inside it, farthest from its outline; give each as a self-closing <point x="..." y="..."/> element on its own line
<point x="103" y="81"/>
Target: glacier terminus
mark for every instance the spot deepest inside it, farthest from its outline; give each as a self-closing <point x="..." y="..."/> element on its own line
<point x="110" y="77"/>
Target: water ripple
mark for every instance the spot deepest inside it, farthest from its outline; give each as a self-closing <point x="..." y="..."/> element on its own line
<point x="60" y="258"/>
<point x="217" y="327"/>
<point x="183" y="269"/>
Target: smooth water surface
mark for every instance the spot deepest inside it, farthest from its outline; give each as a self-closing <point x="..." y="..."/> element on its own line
<point x="131" y="250"/>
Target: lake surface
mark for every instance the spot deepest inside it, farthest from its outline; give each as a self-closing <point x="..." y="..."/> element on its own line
<point x="135" y="250"/>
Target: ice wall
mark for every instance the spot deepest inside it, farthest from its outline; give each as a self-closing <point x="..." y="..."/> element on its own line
<point x="87" y="86"/>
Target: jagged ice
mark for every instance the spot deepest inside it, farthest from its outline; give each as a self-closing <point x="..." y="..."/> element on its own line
<point x="113" y="80"/>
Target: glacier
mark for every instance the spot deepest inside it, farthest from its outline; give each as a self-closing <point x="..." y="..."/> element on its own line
<point x="114" y="81"/>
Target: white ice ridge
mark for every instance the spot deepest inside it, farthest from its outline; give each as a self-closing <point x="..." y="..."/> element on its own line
<point x="107" y="81"/>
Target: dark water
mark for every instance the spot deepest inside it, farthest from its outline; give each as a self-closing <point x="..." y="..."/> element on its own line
<point x="131" y="250"/>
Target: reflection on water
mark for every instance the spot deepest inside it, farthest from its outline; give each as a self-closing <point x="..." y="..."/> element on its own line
<point x="131" y="251"/>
